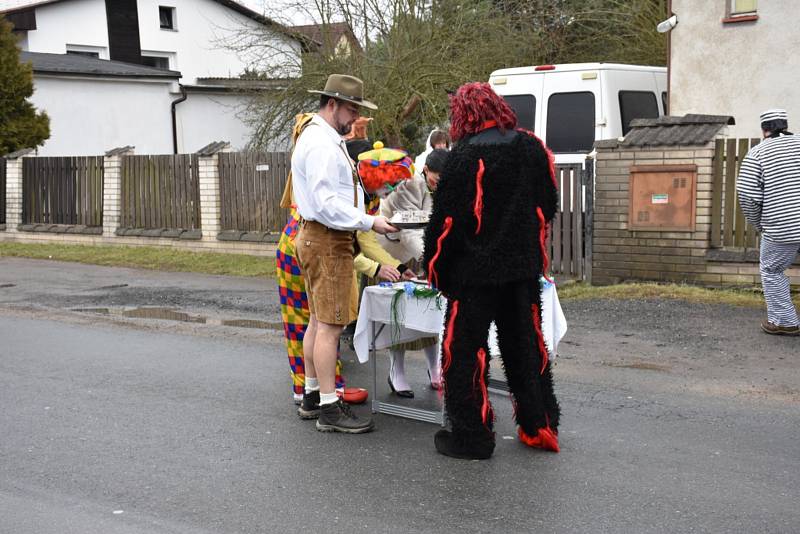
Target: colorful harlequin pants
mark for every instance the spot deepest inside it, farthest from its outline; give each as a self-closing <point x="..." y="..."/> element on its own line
<point x="294" y="305"/>
<point x="516" y="309"/>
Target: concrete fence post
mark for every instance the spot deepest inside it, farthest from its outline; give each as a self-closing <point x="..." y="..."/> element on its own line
<point x="112" y="189"/>
<point x="210" y="205"/>
<point x="14" y="189"/>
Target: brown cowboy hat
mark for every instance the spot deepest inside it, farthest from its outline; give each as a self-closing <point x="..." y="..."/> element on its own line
<point x="347" y="88"/>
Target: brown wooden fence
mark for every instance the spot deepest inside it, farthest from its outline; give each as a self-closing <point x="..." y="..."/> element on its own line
<point x="251" y="184"/>
<point x="2" y="191"/>
<point x="160" y="192"/>
<point x="570" y="233"/>
<point x="728" y="226"/>
<point x="62" y="190"/>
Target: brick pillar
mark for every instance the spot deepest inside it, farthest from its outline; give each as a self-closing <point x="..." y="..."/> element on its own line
<point x="112" y="189"/>
<point x="209" y="196"/>
<point x="13" y="194"/>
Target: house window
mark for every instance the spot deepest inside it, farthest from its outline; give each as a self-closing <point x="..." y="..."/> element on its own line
<point x="524" y="107"/>
<point x="157" y="62"/>
<point x="166" y="16"/>
<point x="636" y="105"/>
<point x="95" y="55"/>
<point x="742" y="7"/>
<point x="570" y="122"/>
<point x="740" y="11"/>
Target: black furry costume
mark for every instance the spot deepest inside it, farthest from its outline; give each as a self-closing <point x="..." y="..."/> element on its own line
<point x="484" y="249"/>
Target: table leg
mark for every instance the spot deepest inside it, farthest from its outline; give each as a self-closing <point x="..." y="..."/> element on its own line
<point x="373" y="356"/>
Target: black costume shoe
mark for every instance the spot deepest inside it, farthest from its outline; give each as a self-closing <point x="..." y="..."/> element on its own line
<point x="339" y="417"/>
<point x="405" y="393"/>
<point x="464" y="449"/>
<point x="309" y="407"/>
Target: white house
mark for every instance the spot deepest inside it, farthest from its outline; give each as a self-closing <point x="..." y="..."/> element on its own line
<point x="735" y="57"/>
<point x="129" y="66"/>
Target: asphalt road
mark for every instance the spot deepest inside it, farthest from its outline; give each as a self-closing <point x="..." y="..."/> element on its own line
<point x="677" y="418"/>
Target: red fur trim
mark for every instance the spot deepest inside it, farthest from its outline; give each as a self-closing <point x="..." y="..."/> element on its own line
<point x="543" y="243"/>
<point x="537" y="325"/>
<point x="478" y="209"/>
<point x="545" y="439"/>
<point x="447" y="355"/>
<point x="433" y="276"/>
<point x="551" y="159"/>
<point x="479" y="381"/>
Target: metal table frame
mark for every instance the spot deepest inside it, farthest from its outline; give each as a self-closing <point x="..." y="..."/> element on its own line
<point x="428" y="416"/>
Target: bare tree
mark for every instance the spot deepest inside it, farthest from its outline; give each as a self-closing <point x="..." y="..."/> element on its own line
<point x="409" y="52"/>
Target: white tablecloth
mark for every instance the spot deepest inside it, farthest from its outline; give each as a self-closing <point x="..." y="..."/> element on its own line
<point x="554" y="324"/>
<point x="417" y="317"/>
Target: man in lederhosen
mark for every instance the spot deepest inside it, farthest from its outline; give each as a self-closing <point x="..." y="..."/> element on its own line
<point x="330" y="201"/>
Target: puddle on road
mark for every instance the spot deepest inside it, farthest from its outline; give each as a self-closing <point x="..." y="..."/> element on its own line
<point x="169" y="314"/>
<point x="646" y="366"/>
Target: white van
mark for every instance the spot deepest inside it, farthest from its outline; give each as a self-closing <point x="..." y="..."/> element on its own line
<point x="570" y="106"/>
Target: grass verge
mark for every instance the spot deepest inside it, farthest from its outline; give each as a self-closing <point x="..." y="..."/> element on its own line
<point x="160" y="259"/>
<point x="650" y="290"/>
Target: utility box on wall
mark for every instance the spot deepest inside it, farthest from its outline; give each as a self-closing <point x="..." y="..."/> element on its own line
<point x="662" y="197"/>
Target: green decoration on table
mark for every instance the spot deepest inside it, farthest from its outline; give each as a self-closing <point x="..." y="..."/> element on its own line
<point x="397" y="317"/>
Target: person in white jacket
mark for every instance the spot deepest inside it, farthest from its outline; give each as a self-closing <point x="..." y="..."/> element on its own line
<point x="415" y="194"/>
<point x="436" y="139"/>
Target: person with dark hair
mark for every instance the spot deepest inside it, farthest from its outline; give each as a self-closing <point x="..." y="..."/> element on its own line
<point x="436" y="139"/>
<point x="485" y="250"/>
<point x="768" y="188"/>
<point x="330" y="200"/>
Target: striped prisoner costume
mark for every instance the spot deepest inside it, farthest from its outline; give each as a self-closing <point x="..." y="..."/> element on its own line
<point x="768" y="188"/>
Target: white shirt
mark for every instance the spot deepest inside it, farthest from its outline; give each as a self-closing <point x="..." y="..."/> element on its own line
<point x="322" y="180"/>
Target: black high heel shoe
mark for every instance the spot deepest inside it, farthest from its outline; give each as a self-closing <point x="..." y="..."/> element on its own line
<point x="405" y="393"/>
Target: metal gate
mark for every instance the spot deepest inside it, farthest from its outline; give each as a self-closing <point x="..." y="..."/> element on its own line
<point x="570" y="240"/>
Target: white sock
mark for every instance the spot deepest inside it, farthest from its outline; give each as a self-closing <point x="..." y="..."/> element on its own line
<point x="312" y="384"/>
<point x="328" y="398"/>
<point x="432" y="355"/>
<point x="397" y="369"/>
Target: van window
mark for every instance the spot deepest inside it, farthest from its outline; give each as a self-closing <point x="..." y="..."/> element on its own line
<point x="636" y="105"/>
<point x="524" y="107"/>
<point x="570" y="122"/>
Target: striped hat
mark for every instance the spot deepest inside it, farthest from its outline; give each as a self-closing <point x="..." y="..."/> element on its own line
<point x="774" y="115"/>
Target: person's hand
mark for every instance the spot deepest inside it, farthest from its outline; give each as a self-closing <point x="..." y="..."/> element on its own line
<point x="408" y="274"/>
<point x="387" y="272"/>
<point x="381" y="225"/>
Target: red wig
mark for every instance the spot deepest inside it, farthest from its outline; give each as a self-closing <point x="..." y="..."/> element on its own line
<point x="473" y="105"/>
<point x="376" y="174"/>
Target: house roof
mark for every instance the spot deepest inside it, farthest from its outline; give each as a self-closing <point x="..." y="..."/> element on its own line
<point x="78" y="65"/>
<point x="688" y="130"/>
<point x="12" y="6"/>
<point x="327" y="34"/>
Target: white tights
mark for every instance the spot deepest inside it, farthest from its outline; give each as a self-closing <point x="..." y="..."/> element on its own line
<point x="397" y="370"/>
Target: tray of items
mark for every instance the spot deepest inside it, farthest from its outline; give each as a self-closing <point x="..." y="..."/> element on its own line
<point x="406" y="220"/>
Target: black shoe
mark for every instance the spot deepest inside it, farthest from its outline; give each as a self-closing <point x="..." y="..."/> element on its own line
<point x="339" y="417"/>
<point x="464" y="449"/>
<point x="405" y="393"/>
<point x="309" y="407"/>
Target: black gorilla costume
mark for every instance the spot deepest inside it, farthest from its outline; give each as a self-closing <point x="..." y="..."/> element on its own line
<point x="484" y="249"/>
